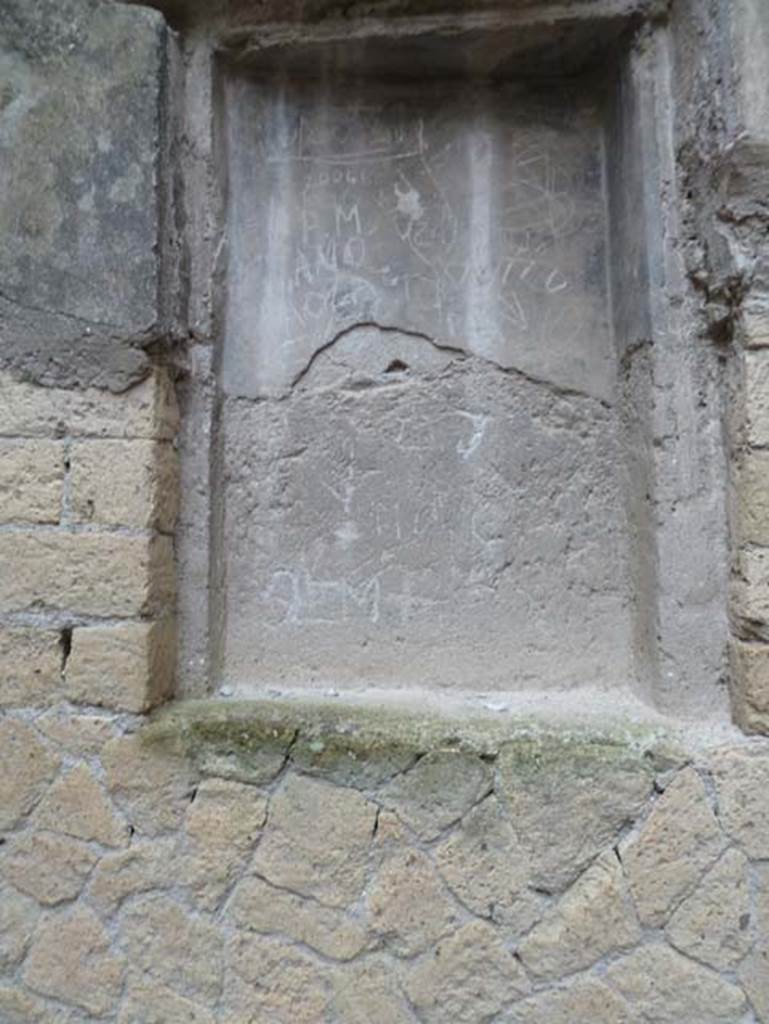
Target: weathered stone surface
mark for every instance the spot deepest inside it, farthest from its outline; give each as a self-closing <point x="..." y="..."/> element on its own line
<point x="222" y="825"/>
<point x="756" y="397"/>
<point x="270" y="980"/>
<point x="147" y="410"/>
<point x="593" y="918"/>
<point x="89" y="573"/>
<point x="31" y="475"/>
<point x="679" y="840"/>
<point x="128" y="667"/>
<point x="742" y="784"/>
<point x="50" y="867"/>
<point x="487" y="868"/>
<point x="259" y="907"/>
<point x="163" y="942"/>
<point x="367" y="993"/>
<point x="146" y="1002"/>
<point x="586" y="1001"/>
<point x="437" y="791"/>
<point x="30" y="666"/>
<point x="19" y="1007"/>
<point x="568" y="801"/>
<point x="152" y="788"/>
<point x="77" y="805"/>
<point x="751" y="524"/>
<point x="316" y="840"/>
<point x="749" y="585"/>
<point x="363" y="770"/>
<point x="71" y="959"/>
<point x="469" y="977"/>
<point x="26" y="767"/>
<point x="753" y="972"/>
<point x="77" y="735"/>
<point x="750" y="684"/>
<point x="147" y="865"/>
<point x="408" y="907"/>
<point x="81" y="204"/>
<point x="144" y="493"/>
<point x="661" y="985"/>
<point x="713" y="924"/>
<point x="18" y="917"/>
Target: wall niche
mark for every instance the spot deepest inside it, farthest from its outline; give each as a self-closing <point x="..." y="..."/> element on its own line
<point x="432" y="450"/>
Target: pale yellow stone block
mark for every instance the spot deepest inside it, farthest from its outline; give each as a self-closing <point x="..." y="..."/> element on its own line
<point x="711" y="925"/>
<point x="751" y="499"/>
<point x="147" y="410"/>
<point x="678" y="841"/>
<point x="31" y="476"/>
<point x="595" y="917"/>
<point x="125" y="483"/>
<point x="127" y="667"/>
<point x="756" y="397"/>
<point x="259" y="907"/>
<point x="30" y="666"/>
<point x="755" y="324"/>
<point x="742" y="785"/>
<point x="151" y="787"/>
<point x="749" y="590"/>
<point x="749" y="685"/>
<point x="408" y="907"/>
<point x="18" y="916"/>
<point x="316" y="841"/>
<point x="663" y="986"/>
<point x="88" y="573"/>
<point x="27" y="765"/>
<point x="164" y="942"/>
<point x="76" y="805"/>
<point x="469" y="977"/>
<point x="50" y="867"/>
<point x="71" y="960"/>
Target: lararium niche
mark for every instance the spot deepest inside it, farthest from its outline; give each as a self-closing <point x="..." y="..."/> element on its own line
<point x="422" y="440"/>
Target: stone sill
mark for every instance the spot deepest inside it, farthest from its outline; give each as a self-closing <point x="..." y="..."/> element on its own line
<point x="355" y="736"/>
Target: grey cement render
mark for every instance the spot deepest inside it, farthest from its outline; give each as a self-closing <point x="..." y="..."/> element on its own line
<point x="81" y="147"/>
<point x="398" y="508"/>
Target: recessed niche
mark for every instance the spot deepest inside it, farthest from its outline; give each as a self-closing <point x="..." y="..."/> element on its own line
<point x="419" y="440"/>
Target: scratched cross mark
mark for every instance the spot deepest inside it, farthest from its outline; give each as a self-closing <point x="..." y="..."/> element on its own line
<point x="476" y="218"/>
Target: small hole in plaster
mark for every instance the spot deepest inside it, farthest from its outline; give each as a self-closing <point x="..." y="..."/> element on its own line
<point x="396" y="366"/>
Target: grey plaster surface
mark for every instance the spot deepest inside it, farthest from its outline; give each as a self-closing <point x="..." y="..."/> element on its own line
<point x="472" y="216"/>
<point x="80" y="166"/>
<point x="421" y="463"/>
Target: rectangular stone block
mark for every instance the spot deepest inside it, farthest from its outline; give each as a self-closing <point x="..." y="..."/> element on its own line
<point x="756" y="398"/>
<point x="30" y="666"/>
<point x="750" y="44"/>
<point x="81" y="207"/>
<point x="31" y="475"/>
<point x="755" y="324"/>
<point x="125" y="483"/>
<point x="750" y="499"/>
<point x="749" y="664"/>
<point x="94" y="573"/>
<point x="749" y="591"/>
<point x="148" y="410"/>
<point x="128" y="667"/>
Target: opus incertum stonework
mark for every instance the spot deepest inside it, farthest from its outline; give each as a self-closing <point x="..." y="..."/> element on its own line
<point x="384" y="512"/>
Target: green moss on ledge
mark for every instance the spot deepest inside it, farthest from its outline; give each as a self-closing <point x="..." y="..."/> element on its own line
<point x="365" y="743"/>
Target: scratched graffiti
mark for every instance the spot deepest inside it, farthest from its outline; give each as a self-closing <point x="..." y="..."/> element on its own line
<point x="475" y="218"/>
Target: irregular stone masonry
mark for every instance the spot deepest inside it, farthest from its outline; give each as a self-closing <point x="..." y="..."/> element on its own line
<point x="140" y="887"/>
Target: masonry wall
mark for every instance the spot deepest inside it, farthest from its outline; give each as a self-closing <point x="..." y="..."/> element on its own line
<point x="327" y="860"/>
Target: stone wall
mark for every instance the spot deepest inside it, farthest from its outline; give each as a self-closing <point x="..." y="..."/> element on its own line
<point x="332" y="860"/>
<point x="314" y="864"/>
